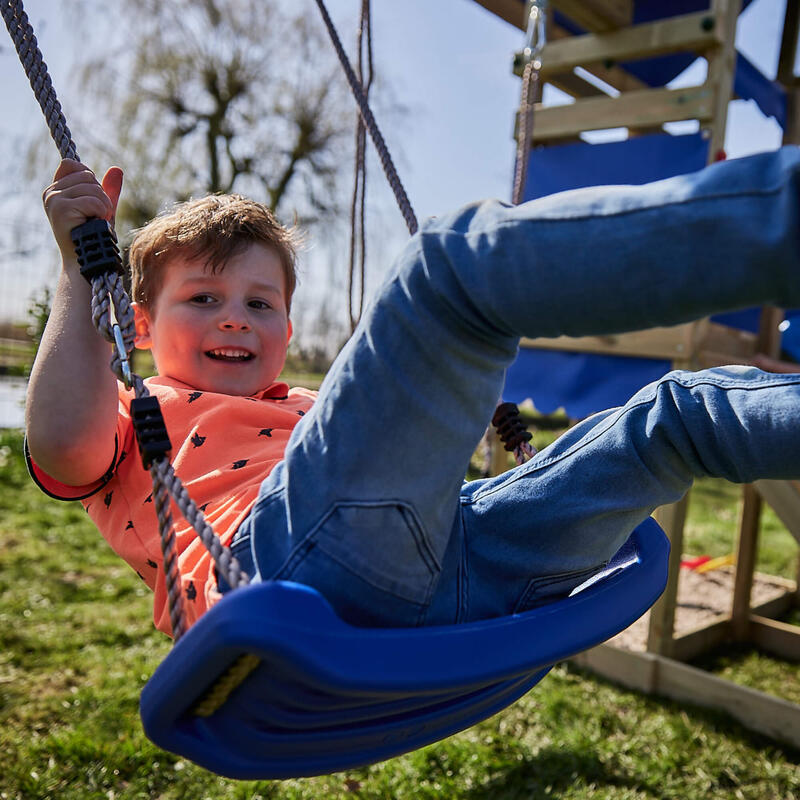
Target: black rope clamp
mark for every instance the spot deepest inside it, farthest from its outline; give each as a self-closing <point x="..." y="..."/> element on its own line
<point x="150" y="429"/>
<point x="510" y="427"/>
<point x="96" y="248"/>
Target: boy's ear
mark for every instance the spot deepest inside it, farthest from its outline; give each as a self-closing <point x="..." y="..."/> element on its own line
<point x="141" y="320"/>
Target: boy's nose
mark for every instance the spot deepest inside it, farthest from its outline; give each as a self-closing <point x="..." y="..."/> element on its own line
<point x="233" y="318"/>
<point x="234" y="325"/>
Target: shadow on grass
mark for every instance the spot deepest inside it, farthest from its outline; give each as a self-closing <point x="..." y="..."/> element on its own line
<point x="555" y="770"/>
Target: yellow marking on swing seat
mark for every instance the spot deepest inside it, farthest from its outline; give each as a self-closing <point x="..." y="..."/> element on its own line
<point x="217" y="695"/>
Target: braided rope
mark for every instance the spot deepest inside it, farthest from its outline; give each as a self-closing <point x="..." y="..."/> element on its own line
<point x="372" y="126"/>
<point x="530" y="82"/>
<point x="358" y="237"/>
<point x="112" y="314"/>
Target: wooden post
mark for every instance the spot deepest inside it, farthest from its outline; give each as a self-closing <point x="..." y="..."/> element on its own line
<point x="662" y="615"/>
<point x="721" y="69"/>
<point x="768" y="343"/>
<point x="791" y="30"/>
<point x="745" y="562"/>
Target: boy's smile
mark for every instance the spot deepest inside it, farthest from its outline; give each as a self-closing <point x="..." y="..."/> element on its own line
<point x="223" y="332"/>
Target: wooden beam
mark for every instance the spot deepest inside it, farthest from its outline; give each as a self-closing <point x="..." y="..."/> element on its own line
<point x="613" y="75"/>
<point x="597" y="15"/>
<point x="721" y="69"/>
<point x="686" y="343"/>
<point x="632" y="109"/>
<point x="747" y="550"/>
<point x="575" y="86"/>
<point x="718" y="630"/>
<point x="672" y="519"/>
<point x="788" y="51"/>
<point x="758" y="711"/>
<point x="512" y="11"/>
<point x="777" y="638"/>
<point x="684" y="33"/>
<point x="700" y="640"/>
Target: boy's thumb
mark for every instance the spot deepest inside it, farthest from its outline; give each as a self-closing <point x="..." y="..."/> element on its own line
<point x="112" y="186"/>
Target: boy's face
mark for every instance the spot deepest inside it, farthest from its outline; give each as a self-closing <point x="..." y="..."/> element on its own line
<point x="225" y="332"/>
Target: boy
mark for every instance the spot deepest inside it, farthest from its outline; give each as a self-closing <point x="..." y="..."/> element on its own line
<point x="348" y="509"/>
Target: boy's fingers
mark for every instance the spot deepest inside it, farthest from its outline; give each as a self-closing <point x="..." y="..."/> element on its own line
<point x="112" y="186"/>
<point x="68" y="166"/>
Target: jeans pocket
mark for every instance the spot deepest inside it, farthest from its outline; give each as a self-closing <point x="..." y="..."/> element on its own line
<point x="549" y="588"/>
<point x="383" y="544"/>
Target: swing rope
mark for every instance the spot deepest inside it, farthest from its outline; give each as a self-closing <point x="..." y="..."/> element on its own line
<point x="507" y="420"/>
<point x="112" y="316"/>
<point x="531" y="58"/>
<point x="358" y="234"/>
<point x="372" y="126"/>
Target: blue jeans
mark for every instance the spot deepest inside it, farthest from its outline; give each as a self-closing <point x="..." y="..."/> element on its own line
<point x="369" y="505"/>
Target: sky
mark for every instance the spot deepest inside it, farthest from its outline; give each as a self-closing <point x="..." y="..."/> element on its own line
<point x="447" y="61"/>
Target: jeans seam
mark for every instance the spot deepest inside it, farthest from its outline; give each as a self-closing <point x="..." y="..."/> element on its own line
<point x="726" y="384"/>
<point x="494" y="226"/>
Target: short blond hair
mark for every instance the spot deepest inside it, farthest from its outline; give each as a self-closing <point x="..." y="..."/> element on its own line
<point x="213" y="228"/>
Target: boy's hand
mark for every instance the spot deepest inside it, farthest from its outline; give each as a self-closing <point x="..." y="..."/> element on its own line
<point x="75" y="196"/>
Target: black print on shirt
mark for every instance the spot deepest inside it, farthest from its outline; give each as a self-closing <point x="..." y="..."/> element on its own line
<point x="266" y="432"/>
<point x="197" y="440"/>
<point x="191" y="592"/>
<point x="151" y="563"/>
<point x="301" y="413"/>
<point x="194" y="395"/>
<point x="107" y="499"/>
<point x="240" y="464"/>
<point x="204" y="506"/>
<point x="149" y="498"/>
<point x="129" y="526"/>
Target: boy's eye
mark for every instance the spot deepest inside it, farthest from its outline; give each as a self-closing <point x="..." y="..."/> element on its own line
<point x="259" y="304"/>
<point x="202" y="299"/>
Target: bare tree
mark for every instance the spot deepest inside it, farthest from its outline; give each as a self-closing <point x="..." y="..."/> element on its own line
<point x="221" y="95"/>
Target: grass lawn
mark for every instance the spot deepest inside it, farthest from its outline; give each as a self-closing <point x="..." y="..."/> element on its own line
<point x="78" y="645"/>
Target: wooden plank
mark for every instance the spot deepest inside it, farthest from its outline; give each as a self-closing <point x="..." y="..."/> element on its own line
<point x="597" y="15"/>
<point x="614" y="76"/>
<point x="593" y="15"/>
<point x="746" y="552"/>
<point x="684" y="33"/>
<point x="777" y="606"/>
<point x="672" y="519"/>
<point x="789" y="36"/>
<point x="757" y="711"/>
<point x="718" y="630"/>
<point x="693" y="643"/>
<point x="634" y="670"/>
<point x="512" y="11"/>
<point x="667" y="343"/>
<point x="775" y="637"/>
<point x="721" y="69"/>
<point x="631" y="109"/>
<point x="574" y="85"/>
<point x="686" y="342"/>
<point x="784" y="499"/>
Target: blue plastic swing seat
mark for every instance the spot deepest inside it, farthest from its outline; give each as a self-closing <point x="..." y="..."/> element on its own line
<point x="328" y="696"/>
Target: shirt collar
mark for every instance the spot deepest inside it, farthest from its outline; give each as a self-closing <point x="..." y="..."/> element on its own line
<point x="276" y="391"/>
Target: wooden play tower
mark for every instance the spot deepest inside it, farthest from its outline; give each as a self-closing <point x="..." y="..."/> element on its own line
<point x="615" y="58"/>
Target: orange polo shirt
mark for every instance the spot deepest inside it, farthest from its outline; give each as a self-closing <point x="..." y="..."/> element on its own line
<point x="223" y="447"/>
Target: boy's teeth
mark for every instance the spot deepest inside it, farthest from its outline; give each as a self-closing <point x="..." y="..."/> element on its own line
<point x="229" y="353"/>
